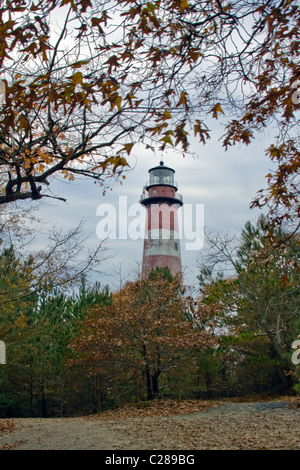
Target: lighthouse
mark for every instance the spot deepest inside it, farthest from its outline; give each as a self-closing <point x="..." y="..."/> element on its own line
<point x="161" y="240"/>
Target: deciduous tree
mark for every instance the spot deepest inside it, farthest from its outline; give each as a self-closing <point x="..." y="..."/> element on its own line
<point x="155" y="70"/>
<point x="143" y="334"/>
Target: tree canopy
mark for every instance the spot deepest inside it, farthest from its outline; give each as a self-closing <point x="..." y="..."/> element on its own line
<point x="261" y="294"/>
<point x="86" y="80"/>
<point x="143" y="333"/>
<point x="89" y="349"/>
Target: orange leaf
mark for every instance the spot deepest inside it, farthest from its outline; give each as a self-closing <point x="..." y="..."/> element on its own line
<point x="216" y="109"/>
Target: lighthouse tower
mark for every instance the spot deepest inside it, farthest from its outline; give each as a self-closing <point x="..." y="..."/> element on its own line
<point x="161" y="241"/>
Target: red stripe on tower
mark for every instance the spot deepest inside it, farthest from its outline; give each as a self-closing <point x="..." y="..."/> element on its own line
<point x="161" y="241"/>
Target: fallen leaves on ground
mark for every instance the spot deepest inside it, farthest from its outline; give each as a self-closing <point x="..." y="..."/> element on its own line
<point x="7" y="425"/>
<point x="166" y="425"/>
<point x="165" y="407"/>
<point x="159" y="408"/>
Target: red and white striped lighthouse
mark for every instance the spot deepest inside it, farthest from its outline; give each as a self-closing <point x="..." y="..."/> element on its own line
<point x="161" y="241"/>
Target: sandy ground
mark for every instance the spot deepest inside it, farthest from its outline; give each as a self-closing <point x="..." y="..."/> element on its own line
<point x="224" y="426"/>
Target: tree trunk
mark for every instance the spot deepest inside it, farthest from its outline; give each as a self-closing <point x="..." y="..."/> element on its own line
<point x="155" y="387"/>
<point x="43" y="400"/>
<point x="224" y="378"/>
<point x="278" y="349"/>
<point x="147" y="374"/>
<point x="208" y="383"/>
<point x="148" y="383"/>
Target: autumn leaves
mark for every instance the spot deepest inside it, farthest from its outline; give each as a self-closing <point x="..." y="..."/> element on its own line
<point x="79" y="96"/>
<point x="147" y="330"/>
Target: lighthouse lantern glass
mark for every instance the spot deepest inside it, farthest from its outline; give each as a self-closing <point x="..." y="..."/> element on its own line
<point x="162" y="176"/>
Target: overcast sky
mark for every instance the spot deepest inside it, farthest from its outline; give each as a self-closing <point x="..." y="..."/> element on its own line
<point x="223" y="182"/>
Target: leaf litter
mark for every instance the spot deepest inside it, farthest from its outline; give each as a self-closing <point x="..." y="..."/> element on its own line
<point x="227" y="424"/>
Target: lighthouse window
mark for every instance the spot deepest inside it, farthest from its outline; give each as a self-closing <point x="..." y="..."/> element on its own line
<point x="162" y="176"/>
<point x="153" y="192"/>
<point x="176" y="246"/>
<point x="168" y="179"/>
